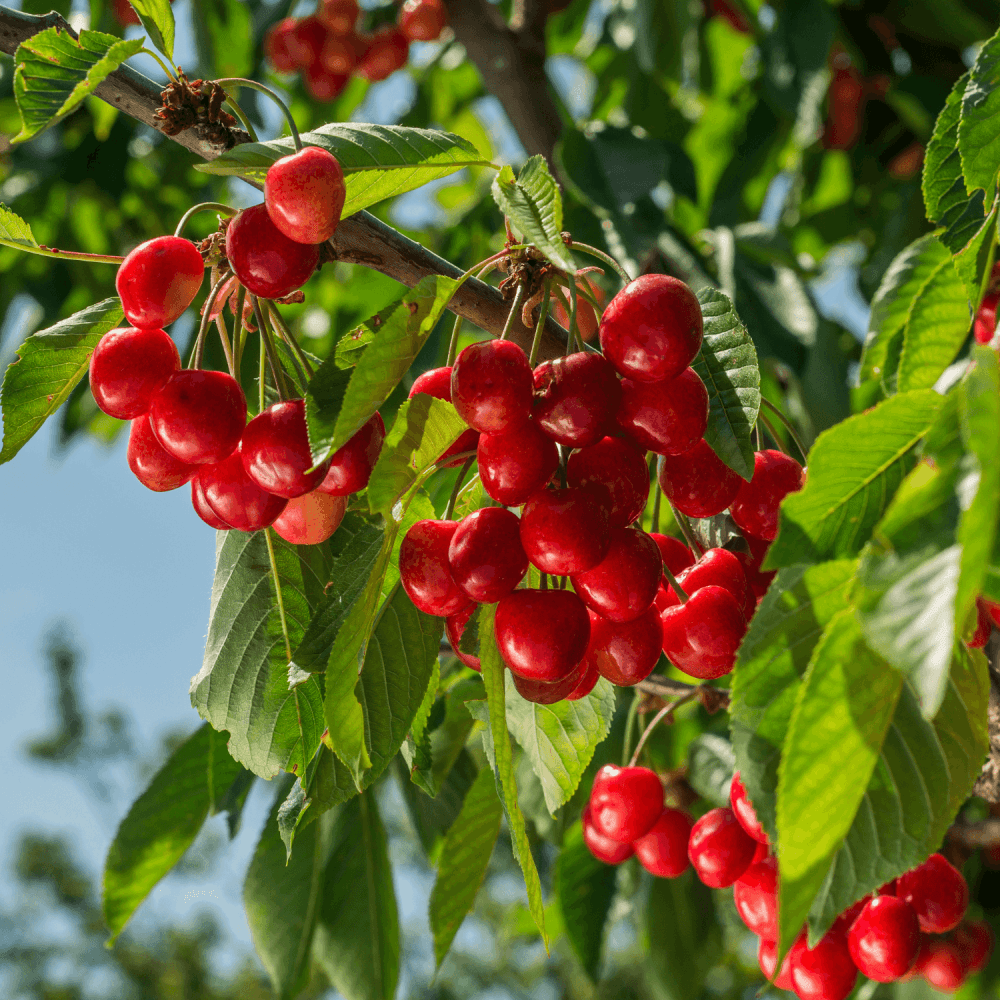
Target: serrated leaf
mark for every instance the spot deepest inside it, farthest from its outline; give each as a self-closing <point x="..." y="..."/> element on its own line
<point x="979" y="124"/>
<point x="157" y="17"/>
<point x="14" y="231"/>
<point x="710" y="766"/>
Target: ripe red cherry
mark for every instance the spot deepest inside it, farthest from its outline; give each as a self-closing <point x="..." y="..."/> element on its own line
<point x="304" y="194"/>
<point x="885" y="938"/>
<point x="939" y="961"/>
<point x="275" y="448"/>
<point x="153" y="466"/>
<point x="625" y="652"/>
<point x="716" y="567"/>
<point x="543" y="693"/>
<point x="424" y="570"/>
<point x="937" y="892"/>
<point x="199" y="416"/>
<point x="702" y="636"/>
<point x="437" y="383"/>
<point x="265" y="260"/>
<point x="720" y="849"/>
<point x="351" y="466"/>
<point x="767" y="959"/>
<point x="387" y="50"/>
<point x="305" y="41"/>
<point x="565" y="531"/>
<point x="984" y="627"/>
<point x="322" y="84"/>
<point x="491" y="386"/>
<point x="310" y="519"/>
<point x="542" y="634"/>
<point x="339" y="16"/>
<point x="755" y="894"/>
<point x="652" y="329"/>
<point x="202" y="508"/>
<point x="588" y="680"/>
<point x="676" y="555"/>
<point x="236" y="498"/>
<point x="422" y="20"/>
<point x="625" y="802"/>
<point x="128" y="367"/>
<point x="576" y="398"/>
<point x="618" y="467"/>
<point x="825" y="972"/>
<point x="516" y="463"/>
<point x="339" y="55"/>
<point x="663" y="851"/>
<point x="454" y="626"/>
<point x="743" y="809"/>
<point x="755" y="509"/>
<point x="975" y="942"/>
<point x="698" y="483"/>
<point x="986" y="318"/>
<point x="485" y="554"/>
<point x="603" y="848"/>
<point x="667" y="417"/>
<point x="623" y="584"/>
<point x="278" y="48"/>
<point x="158" y="280"/>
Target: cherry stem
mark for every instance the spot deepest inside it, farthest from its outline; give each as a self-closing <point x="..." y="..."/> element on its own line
<point x="199" y="344"/>
<point x="601" y="255"/>
<point x="44" y="251"/>
<point x="263" y="373"/>
<point x="166" y="69"/>
<point x="655" y="721"/>
<point x="220" y="324"/>
<point x="241" y="114"/>
<point x="633" y="710"/>
<point x="543" y="315"/>
<point x="543" y="581"/>
<point x="514" y="308"/>
<point x="286" y="335"/>
<point x="657" y="496"/>
<point x="772" y="433"/>
<point x="788" y="426"/>
<point x="756" y="436"/>
<point x="240" y="330"/>
<point x="672" y="580"/>
<point x="205" y="206"/>
<point x="278" y="595"/>
<point x="267" y="338"/>
<point x="570" y="311"/>
<point x="453" y="341"/>
<point x="242" y="81"/>
<point x="452" y="500"/>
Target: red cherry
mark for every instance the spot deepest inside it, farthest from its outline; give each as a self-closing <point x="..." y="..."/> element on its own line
<point x="542" y="693"/>
<point x="702" y="636"/>
<point x="743" y="809"/>
<point x="515" y="464"/>
<point x="485" y="555"/>
<point x="667" y="417"/>
<point x="937" y="892"/>
<point x="762" y="852"/>
<point x="304" y="194"/>
<point x="339" y="55"/>
<point x="491" y="386"/>
<point x="351" y="466"/>
<point x="986" y="318"/>
<point x="625" y="802"/>
<point x="424" y="570"/>
<point x="975" y="941"/>
<point x="755" y="894"/>
<point x="625" y="652"/>
<point x="128" y="367"/>
<point x="154" y="467"/>
<point x="306" y="39"/>
<point x="278" y="48"/>
<point x="576" y="398"/>
<point x="755" y="509"/>
<point x="588" y="680"/>
<point x="767" y="959"/>
<point x="617" y="466"/>
<point x="715" y="568"/>
<point x="603" y="848"/>
<point x="586" y="317"/>
<point x="939" y="961"/>
<point x="984" y="628"/>
<point x="339" y="16"/>
<point x="676" y="555"/>
<point x="652" y="329"/>
<point x="885" y="938"/>
<point x="202" y="508"/>
<point x="387" y="51"/>
<point x="158" y="280"/>
<point x="698" y="483"/>
<point x="437" y="383"/>
<point x="720" y="849"/>
<point x="565" y="531"/>
<point x="663" y="850"/>
<point x="275" y="448"/>
<point x="825" y="972"/>
<point x="454" y="626"/>
<point x="323" y="85"/>
<point x="846" y="96"/>
<point x="236" y="498"/>
<point x="422" y="20"/>
<point x="199" y="416"/>
<point x="124" y="13"/>
<point x="542" y="634"/>
<point x="623" y="584"/>
<point x="265" y="260"/>
<point x="310" y="519"/>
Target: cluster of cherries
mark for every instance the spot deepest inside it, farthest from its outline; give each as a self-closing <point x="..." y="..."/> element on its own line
<point x="913" y="926"/>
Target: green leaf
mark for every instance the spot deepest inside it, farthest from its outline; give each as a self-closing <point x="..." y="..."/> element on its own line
<point x="978" y="128"/>
<point x="49" y="365"/>
<point x="465" y="857"/>
<point x="727" y="364"/>
<point x="848" y="487"/>
<point x="164" y="821"/>
<point x="15" y="232"/>
<point x="54" y="73"/>
<point x="710" y="766"/>
<point x="224" y="36"/>
<point x="157" y="18"/>
<point x="416" y="748"/>
<point x="378" y="161"/>
<point x="533" y="204"/>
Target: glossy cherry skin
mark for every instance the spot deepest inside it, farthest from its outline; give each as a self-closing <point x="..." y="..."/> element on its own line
<point x="986" y="319"/>
<point x="565" y="531"/>
<point x="422" y="20"/>
<point x="939" y="961"/>
<point x="491" y="386"/>
<point x="304" y="194"/>
<point x="667" y="417"/>
<point x="652" y="329"/>
<point x="265" y="260"/>
<point x="310" y="519"/>
<point x="351" y="466"/>
<point x="306" y="41"/>
<point x="277" y="50"/>
<point x="515" y="464"/>
<point x="485" y="555"/>
<point x="276" y="455"/>
<point x="424" y="571"/>
<point x="236" y="498"/>
<point x="755" y="894"/>
<point x="576" y="398"/>
<point x="128" y="367"/>
<point x="975" y="942"/>
<point x="625" y="652"/>
<point x="625" y="802"/>
<point x="387" y="50"/>
<point x="755" y="509"/>
<point x="938" y="893"/>
<point x="984" y="627"/>
<point x="322" y="84"/>
<point x="825" y="972"/>
<point x="715" y="568"/>
<point x="698" y="483"/>
<point x="339" y="16"/>
<point x="720" y="849"/>
<point x="588" y="680"/>
<point x="743" y="809"/>
<point x="885" y="938"/>
<point x="542" y="634"/>
<point x="702" y="636"/>
<point x="454" y="626"/>
<point x="158" y="280"/>
<point x="623" y="584"/>
<point x="603" y="848"/>
<point x="151" y="464"/>
<point x="767" y="959"/>
<point x="676" y="555"/>
<point x="339" y="55"/>
<point x="201" y="506"/>
<point x="663" y="850"/>
<point x="437" y="383"/>
<point x="619" y="468"/>
<point x="543" y="693"/>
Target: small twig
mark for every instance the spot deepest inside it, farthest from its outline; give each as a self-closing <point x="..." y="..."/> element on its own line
<point x="788" y="426"/>
<point x="985" y="833"/>
<point x="713" y="699"/>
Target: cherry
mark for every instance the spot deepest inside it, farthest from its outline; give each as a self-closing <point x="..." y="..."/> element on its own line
<point x="846" y="95"/>
<point x="698" y="483"/>
<point x="623" y="584"/>
<point x="279" y="49"/>
<point x="542" y="634"/>
<point x="767" y="959"/>
<point x="618" y="467"/>
<point x="236" y="498"/>
<point x="304" y="194"/>
<point x="265" y="260"/>
<point x="937" y="892"/>
<point x="625" y="802"/>
<point x="386" y="52"/>
<point x="158" y="280"/>
<point x="422" y="20"/>
<point x="755" y="894"/>
<point x="676" y="555"/>
<point x="128" y="367"/>
<point x="975" y="941"/>
<point x="603" y="848"/>
<point x="565" y="531"/>
<point x="744" y="810"/>
<point x="339" y="55"/>
<point x="491" y="386"/>
<point x="543" y="693"/>
<point x="485" y="554"/>
<point x="323" y="85"/>
<point x="984" y="625"/>
<point x="986" y="318"/>
<point x="939" y="961"/>
<point x="424" y="570"/>
<point x="275" y="448"/>
<point x="667" y="417"/>
<point x="825" y="972"/>
<point x="755" y="509"/>
<point x="152" y="465"/>
<point x="720" y="849"/>
<point x="310" y="519"/>
<point x="702" y="636"/>
<point x="588" y="680"/>
<point x="576" y="398"/>
<point x="663" y="850"/>
<point x="199" y="416"/>
<point x="652" y="329"/>
<point x="762" y="852"/>
<point x="454" y="626"/>
<point x="625" y="652"/>
<point x="202" y="508"/>
<point x="515" y="464"/>
<point x="885" y="938"/>
<point x="437" y="383"/>
<point x="716" y="567"/>
<point x="757" y="581"/>
<point x="339" y="16"/>
<point x="586" y="317"/>
<point x="124" y="13"/>
<point x="306" y="41"/>
<point x="351" y="466"/>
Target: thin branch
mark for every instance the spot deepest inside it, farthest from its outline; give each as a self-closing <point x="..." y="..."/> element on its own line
<point x="985" y="833"/>
<point x="664" y="687"/>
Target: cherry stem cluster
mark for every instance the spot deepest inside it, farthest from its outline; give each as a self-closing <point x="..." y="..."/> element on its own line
<point x="453" y="499"/>
<point x="601" y="255"/>
<point x="206" y="315"/>
<point x="515" y="308"/>
<point x="688" y="532"/>
<point x="663" y="713"/>
<point x="543" y="315"/>
<point x="267" y="340"/>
